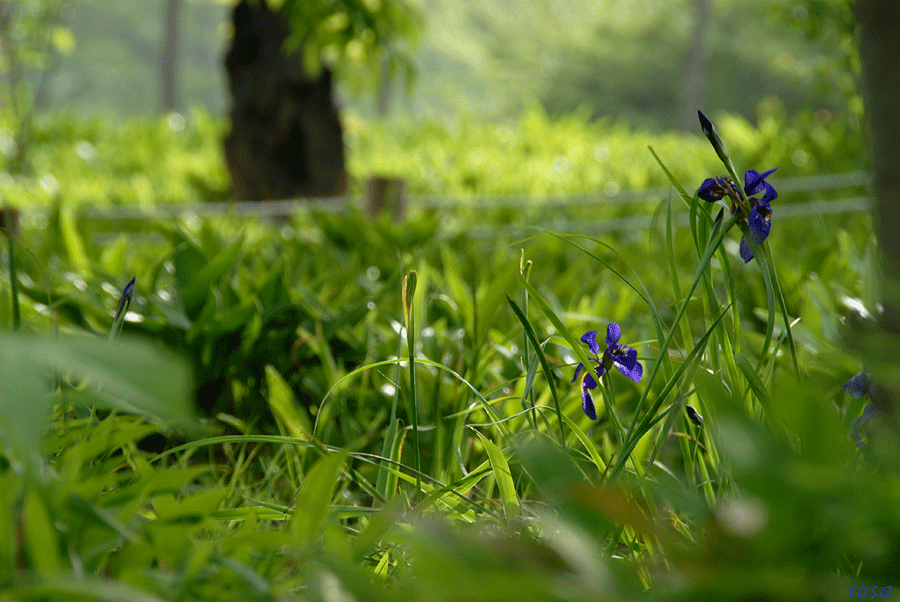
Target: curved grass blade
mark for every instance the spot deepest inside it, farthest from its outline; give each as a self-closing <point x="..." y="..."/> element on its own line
<point x="681" y="191"/>
<point x="485" y="404"/>
<point x="503" y="476"/>
<point x="587" y="443"/>
<point x="753" y="380"/>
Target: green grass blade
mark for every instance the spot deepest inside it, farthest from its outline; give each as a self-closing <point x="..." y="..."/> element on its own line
<point x="702" y="267"/>
<point x="753" y="380"/>
<point x="13" y="268"/>
<point x="386" y="484"/>
<point x="503" y="476"/>
<point x="409" y="292"/>
<point x="588" y="444"/>
<point x="577" y="346"/>
<point x="681" y="191"/>
<point x="545" y="365"/>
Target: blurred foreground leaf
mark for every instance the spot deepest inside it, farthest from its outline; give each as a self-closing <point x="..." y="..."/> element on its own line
<point x="132" y="375"/>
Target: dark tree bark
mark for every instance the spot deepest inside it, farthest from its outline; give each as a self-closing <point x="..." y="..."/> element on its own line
<point x="169" y="57"/>
<point x="286" y="139"/>
<point x="695" y="73"/>
<point x="879" y="30"/>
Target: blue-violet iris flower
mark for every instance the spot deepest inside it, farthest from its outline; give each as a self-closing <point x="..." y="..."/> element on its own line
<point x="859" y="386"/>
<point x="759" y="218"/>
<point x="622" y="357"/>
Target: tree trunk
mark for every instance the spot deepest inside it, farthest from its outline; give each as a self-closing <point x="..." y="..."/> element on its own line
<point x="879" y="30"/>
<point x="169" y="62"/>
<point x="695" y="73"/>
<point x="286" y="139"/>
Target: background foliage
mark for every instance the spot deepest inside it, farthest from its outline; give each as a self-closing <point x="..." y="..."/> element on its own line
<point x="622" y="58"/>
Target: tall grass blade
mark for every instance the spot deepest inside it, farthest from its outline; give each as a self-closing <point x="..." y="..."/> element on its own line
<point x="545" y="365"/>
<point x="13" y="268"/>
<point x="409" y="292"/>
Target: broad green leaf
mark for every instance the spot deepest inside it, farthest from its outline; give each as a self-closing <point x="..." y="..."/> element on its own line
<point x="132" y="375"/>
<point x="41" y="539"/>
<point x="72" y="241"/>
<point x="291" y="419"/>
<point x="195" y="293"/>
<point x="314" y="498"/>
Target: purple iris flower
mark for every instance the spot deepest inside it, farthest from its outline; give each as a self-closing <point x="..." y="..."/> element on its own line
<point x="759" y="219"/>
<point x="622" y="357"/>
<point x="859" y="386"/>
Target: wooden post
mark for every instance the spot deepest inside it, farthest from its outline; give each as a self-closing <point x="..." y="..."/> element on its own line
<point x="385" y="194"/>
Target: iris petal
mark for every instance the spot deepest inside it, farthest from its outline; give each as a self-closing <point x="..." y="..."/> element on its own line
<point x="613" y="334"/>
<point x="577" y="372"/>
<point x="760" y="224"/>
<point x="770" y="194"/>
<point x="708" y="191"/>
<point x="634" y="373"/>
<point x="858" y="385"/>
<point x="587" y="404"/>
<point x="746" y="253"/>
<point x="591" y="339"/>
<point x="755" y="182"/>
<point x="628" y="359"/>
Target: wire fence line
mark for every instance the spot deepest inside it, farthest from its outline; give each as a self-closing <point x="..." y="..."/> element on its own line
<point x="272" y="209"/>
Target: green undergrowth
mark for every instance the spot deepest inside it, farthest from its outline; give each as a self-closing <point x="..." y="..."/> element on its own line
<point x="342" y="408"/>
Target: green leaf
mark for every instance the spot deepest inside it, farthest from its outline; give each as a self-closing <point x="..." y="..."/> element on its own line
<point x="72" y="241"/>
<point x="195" y="293"/>
<point x="393" y="444"/>
<point x="539" y="351"/>
<point x="503" y="476"/>
<point x="587" y="442"/>
<point x="291" y="419"/>
<point x="314" y="498"/>
<point x="753" y="379"/>
<point x="41" y="539"/>
<point x="132" y="375"/>
<point x="88" y="588"/>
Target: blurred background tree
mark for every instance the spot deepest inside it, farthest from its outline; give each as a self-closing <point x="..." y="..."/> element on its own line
<point x="170" y="60"/>
<point x="286" y="138"/>
<point x="879" y="28"/>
